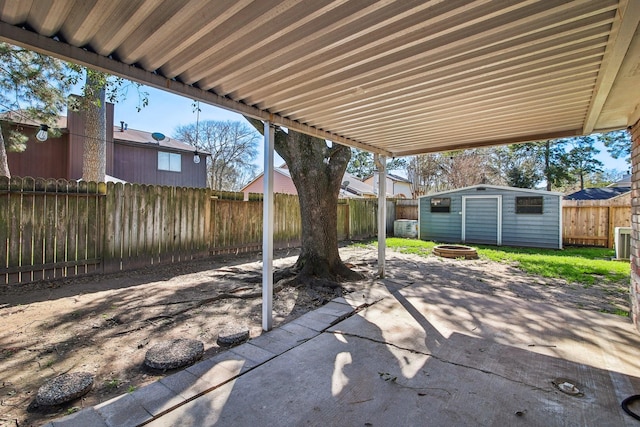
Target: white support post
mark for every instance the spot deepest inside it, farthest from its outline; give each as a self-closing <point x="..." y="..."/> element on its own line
<point x="381" y="164"/>
<point x="267" y="229"/>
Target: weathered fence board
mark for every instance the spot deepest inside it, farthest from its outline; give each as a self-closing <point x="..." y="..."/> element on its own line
<point x="406" y="209"/>
<point x="363" y="214"/>
<point x="287" y="230"/>
<point x="56" y="228"/>
<point x="593" y="223"/>
<point x="44" y="227"/>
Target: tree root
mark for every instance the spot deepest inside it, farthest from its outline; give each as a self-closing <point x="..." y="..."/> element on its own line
<point x="202" y="302"/>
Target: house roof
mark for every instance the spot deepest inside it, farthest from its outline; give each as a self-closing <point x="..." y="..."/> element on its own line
<point x="127" y="135"/>
<point x="625" y="181"/>
<point x="397" y="77"/>
<point x="19" y="116"/>
<point x="392" y="177"/>
<point x="354" y="186"/>
<point x="143" y="137"/>
<point x="603" y="193"/>
<point x="495" y="187"/>
<point x="398" y="178"/>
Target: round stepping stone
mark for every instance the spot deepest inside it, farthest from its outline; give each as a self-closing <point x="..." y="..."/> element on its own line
<point x="64" y="388"/>
<point x="174" y="354"/>
<point x="232" y="335"/>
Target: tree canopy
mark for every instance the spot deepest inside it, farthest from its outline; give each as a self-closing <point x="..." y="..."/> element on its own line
<point x="561" y="165"/>
<point x="34" y="86"/>
<point x="233" y="146"/>
<point x="362" y="165"/>
<point x="618" y="144"/>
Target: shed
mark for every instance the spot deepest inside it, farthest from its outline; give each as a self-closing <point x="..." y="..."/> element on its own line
<point x="492" y="215"/>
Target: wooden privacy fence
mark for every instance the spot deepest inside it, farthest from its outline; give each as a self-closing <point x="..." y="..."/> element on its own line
<point x="406" y="209"/>
<point x="56" y="228"/>
<point x="49" y="228"/>
<point x="593" y="223"/>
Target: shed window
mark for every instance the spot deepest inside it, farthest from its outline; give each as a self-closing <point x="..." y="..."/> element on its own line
<point x="528" y="205"/>
<point x="169" y="161"/>
<point x="441" y="204"/>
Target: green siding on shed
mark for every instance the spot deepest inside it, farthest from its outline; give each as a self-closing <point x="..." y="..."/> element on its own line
<point x="528" y="230"/>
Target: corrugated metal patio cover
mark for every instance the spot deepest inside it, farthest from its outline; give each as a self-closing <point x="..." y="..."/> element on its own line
<point x="396" y="77"/>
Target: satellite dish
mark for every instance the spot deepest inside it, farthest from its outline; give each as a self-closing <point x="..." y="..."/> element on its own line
<point x="344" y="185"/>
<point x="158" y="136"/>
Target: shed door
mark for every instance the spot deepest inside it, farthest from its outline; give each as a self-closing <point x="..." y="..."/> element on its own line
<point x="482" y="219"/>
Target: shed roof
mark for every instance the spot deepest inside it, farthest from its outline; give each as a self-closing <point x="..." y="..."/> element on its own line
<point x="495" y="187"/>
<point x="396" y="77"/>
<point x="603" y="193"/>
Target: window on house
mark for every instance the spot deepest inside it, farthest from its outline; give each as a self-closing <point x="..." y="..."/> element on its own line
<point x="441" y="204"/>
<point x="169" y="161"/>
<point x="528" y="205"/>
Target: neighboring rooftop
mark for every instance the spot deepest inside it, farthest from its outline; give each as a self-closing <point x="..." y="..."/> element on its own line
<point x="603" y="193"/>
<point x="625" y="181"/>
<point x="143" y="137"/>
<point x="22" y="117"/>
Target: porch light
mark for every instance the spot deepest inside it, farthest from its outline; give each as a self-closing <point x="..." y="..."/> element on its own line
<point x="42" y="134"/>
<point x="196" y="157"/>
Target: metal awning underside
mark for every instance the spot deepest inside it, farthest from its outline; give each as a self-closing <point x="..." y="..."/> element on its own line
<point x="396" y="77"/>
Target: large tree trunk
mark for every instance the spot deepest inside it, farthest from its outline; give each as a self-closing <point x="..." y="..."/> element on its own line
<point x="317" y="171"/>
<point x="4" y="164"/>
<point x="94" y="158"/>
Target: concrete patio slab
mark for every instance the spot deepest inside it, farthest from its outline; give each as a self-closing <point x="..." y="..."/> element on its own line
<point x="122" y="411"/>
<point x="418" y="356"/>
<point x="86" y="417"/>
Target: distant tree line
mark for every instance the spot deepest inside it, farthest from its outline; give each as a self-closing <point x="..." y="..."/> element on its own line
<point x="559" y="165"/>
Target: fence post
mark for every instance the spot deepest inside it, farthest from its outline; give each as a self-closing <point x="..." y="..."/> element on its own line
<point x="610" y="227"/>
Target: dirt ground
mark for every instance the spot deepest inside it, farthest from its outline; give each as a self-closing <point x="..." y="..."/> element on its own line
<point x="105" y="324"/>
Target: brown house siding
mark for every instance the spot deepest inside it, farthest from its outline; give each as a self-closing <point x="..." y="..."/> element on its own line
<point x="135" y="162"/>
<point x="41" y="159"/>
<point x="140" y="165"/>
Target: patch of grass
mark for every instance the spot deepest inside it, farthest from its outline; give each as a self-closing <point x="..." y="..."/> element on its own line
<point x="131" y="389"/>
<point x="587" y="266"/>
<point x="112" y="383"/>
<point x="410" y="246"/>
<point x="583" y="265"/>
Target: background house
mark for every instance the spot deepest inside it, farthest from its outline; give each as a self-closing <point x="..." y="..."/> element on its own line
<point x="351" y="187"/>
<point x="494" y="215"/>
<point x="592" y="215"/>
<point x="620" y="191"/>
<point x="132" y="155"/>
<point x="397" y="186"/>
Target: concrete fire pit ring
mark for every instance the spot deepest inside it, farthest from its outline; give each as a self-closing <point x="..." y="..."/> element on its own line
<point x="455" y="251"/>
<point x="173" y="354"/>
<point x="232" y="335"/>
<point x="64" y="388"/>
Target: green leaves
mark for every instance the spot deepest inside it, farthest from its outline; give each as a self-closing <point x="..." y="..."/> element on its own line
<point x="362" y="165"/>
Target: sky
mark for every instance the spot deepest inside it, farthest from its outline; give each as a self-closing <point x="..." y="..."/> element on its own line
<point x="167" y="111"/>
